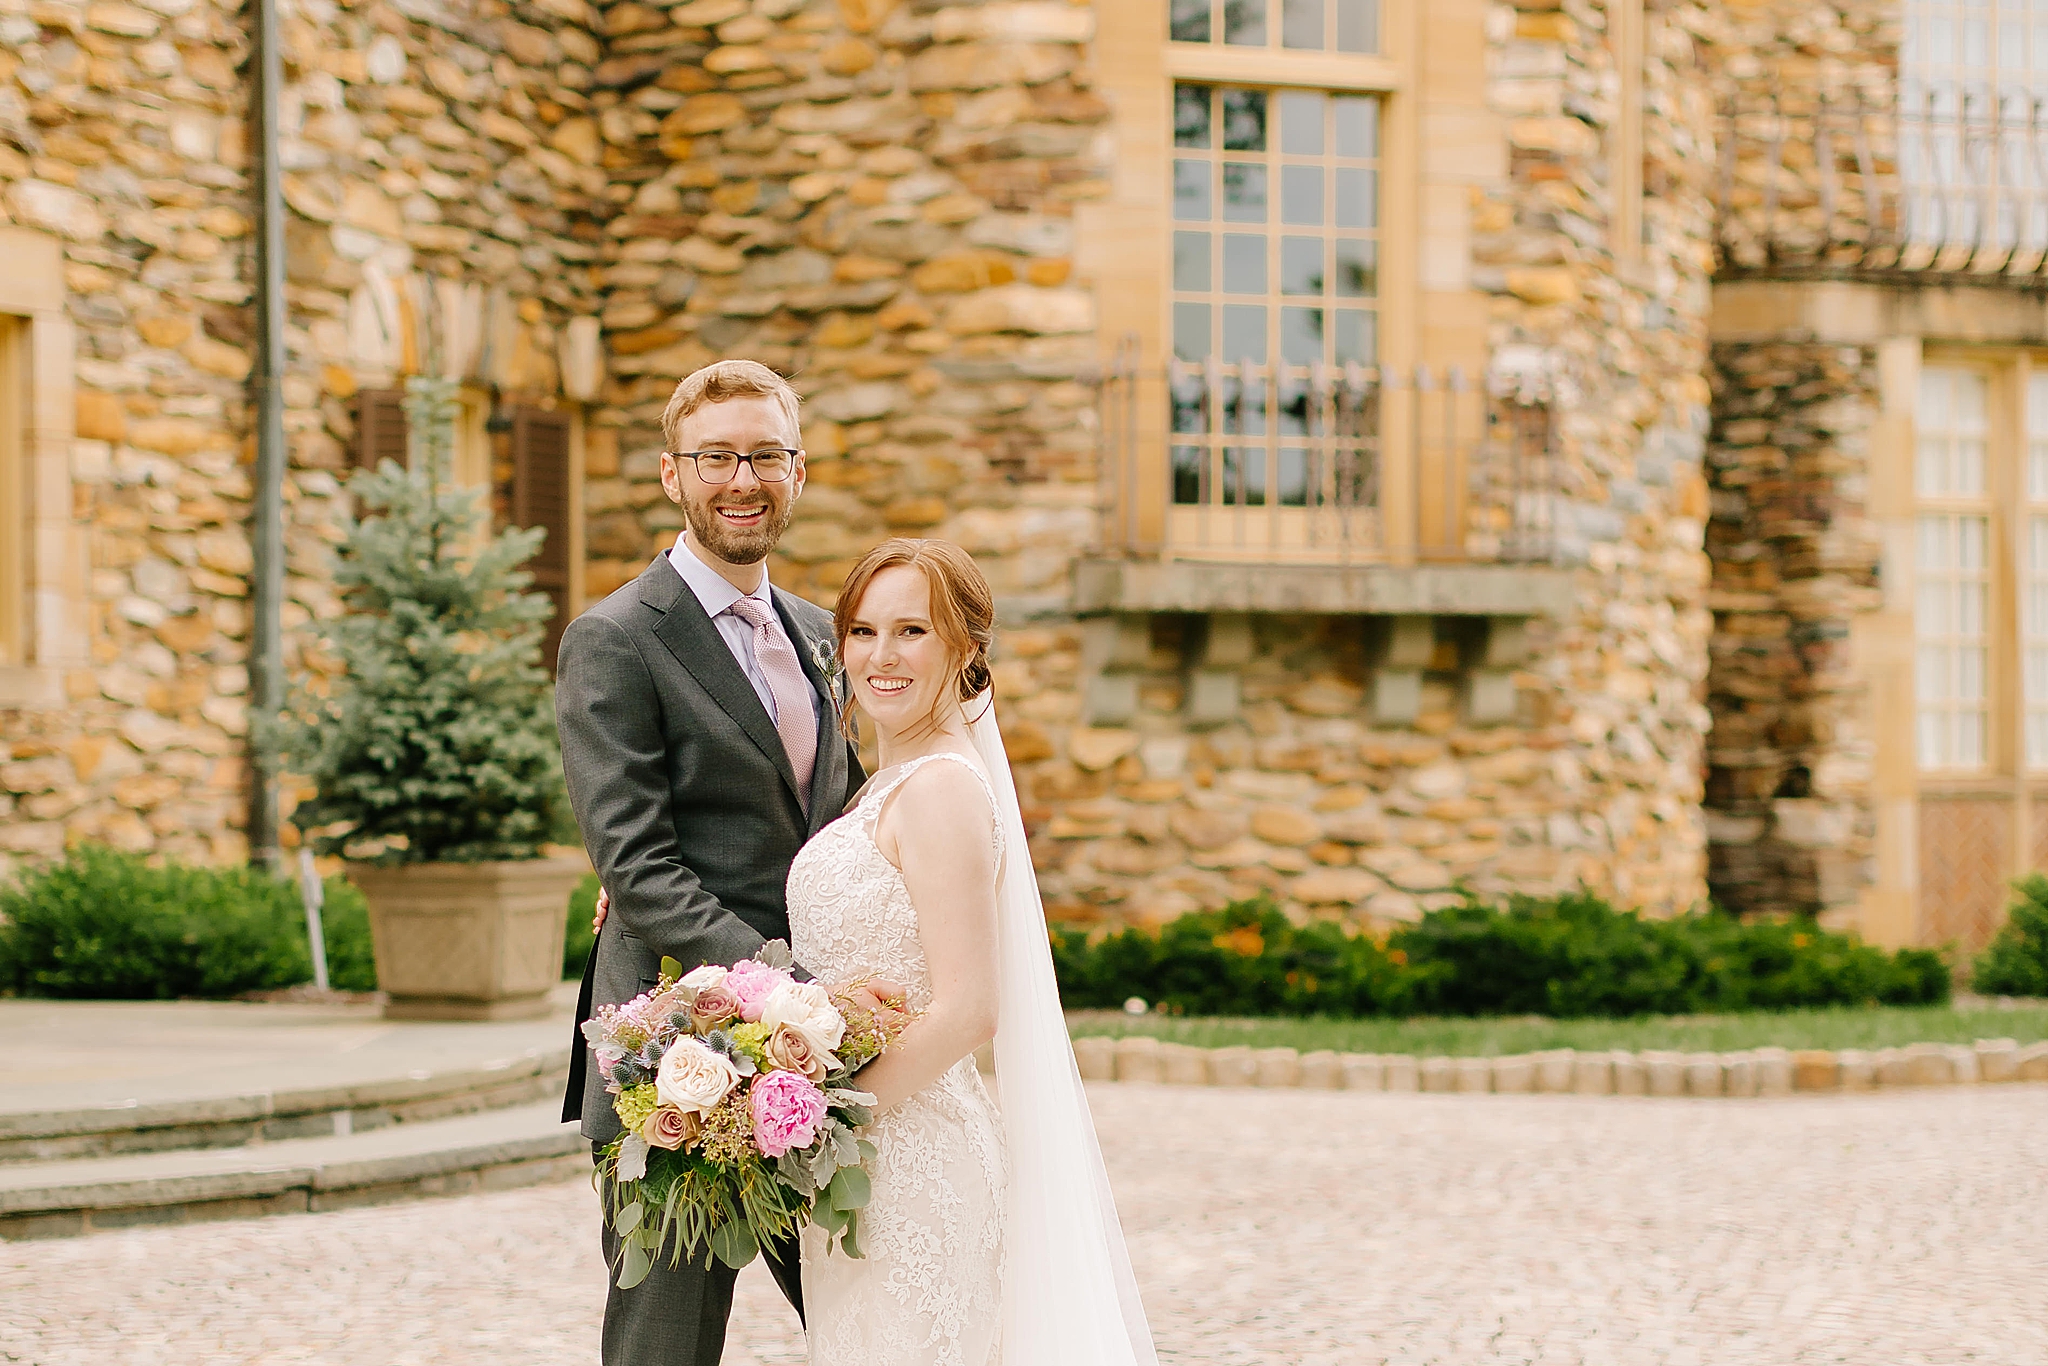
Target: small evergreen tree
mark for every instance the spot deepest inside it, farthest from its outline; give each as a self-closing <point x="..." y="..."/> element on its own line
<point x="437" y="741"/>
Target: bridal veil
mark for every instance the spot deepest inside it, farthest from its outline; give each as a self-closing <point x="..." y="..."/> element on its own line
<point x="1069" y="1298"/>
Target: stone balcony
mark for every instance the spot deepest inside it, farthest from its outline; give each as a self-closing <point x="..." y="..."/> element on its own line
<point x="1936" y="187"/>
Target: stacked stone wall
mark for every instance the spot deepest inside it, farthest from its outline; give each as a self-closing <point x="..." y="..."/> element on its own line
<point x="421" y="142"/>
<point x="1807" y="95"/>
<point x="875" y="199"/>
<point x="1795" y="560"/>
<point x="1595" y="778"/>
<point x="1621" y="344"/>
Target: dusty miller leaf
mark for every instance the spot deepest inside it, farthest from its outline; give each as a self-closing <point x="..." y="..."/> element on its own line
<point x="633" y="1158"/>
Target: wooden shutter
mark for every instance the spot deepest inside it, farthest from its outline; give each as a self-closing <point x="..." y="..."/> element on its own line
<point x="540" y="498"/>
<point x="380" y="428"/>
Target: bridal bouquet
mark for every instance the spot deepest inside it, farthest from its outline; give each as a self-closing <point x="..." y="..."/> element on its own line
<point x="734" y="1089"/>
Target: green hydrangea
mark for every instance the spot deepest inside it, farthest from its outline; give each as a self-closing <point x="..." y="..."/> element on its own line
<point x="634" y="1105"/>
<point x="752" y="1040"/>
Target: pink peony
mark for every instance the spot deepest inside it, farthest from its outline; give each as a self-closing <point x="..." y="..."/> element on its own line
<point x="753" y="983"/>
<point x="788" y="1109"/>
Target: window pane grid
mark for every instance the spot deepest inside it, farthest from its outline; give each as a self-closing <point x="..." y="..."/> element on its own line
<point x="1275" y="293"/>
<point x="1968" y="67"/>
<point x="1952" y="607"/>
<point x="2033" y="560"/>
<point x="1290" y="25"/>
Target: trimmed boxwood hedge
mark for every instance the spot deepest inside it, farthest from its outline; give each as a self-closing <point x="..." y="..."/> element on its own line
<point x="1566" y="956"/>
<point x="107" y="925"/>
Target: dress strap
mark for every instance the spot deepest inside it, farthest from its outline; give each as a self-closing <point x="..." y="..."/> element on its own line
<point x="875" y="800"/>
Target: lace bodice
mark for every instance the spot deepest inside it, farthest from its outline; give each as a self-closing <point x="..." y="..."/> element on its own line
<point x="928" y="1290"/>
<point x="856" y="918"/>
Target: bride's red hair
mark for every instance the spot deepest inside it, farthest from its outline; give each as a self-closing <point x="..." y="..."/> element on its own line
<point x="963" y="610"/>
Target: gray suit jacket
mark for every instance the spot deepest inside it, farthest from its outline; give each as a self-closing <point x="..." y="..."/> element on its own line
<point x="685" y="795"/>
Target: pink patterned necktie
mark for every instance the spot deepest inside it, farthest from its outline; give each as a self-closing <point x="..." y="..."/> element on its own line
<point x="794" y="720"/>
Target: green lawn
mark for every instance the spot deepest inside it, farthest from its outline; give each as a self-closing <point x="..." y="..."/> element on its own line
<point x="1848" y="1027"/>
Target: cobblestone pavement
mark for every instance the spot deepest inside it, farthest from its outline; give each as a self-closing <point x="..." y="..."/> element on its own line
<point x="1275" y="1227"/>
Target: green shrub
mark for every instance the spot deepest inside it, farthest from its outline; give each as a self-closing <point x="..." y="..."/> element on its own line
<point x="1246" y="959"/>
<point x="108" y="925"/>
<point x="2015" y="963"/>
<point x="1567" y="956"/>
<point x="1564" y="956"/>
<point x="1576" y="956"/>
<point x="579" y="940"/>
<point x="345" y="926"/>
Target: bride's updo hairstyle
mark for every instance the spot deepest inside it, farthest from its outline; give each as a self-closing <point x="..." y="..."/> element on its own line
<point x="963" y="612"/>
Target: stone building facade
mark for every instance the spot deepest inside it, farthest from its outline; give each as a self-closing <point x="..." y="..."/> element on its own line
<point x="1501" y="544"/>
<point x="1880" y="511"/>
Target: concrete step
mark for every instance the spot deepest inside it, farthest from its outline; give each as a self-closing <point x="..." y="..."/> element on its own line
<point x="487" y="1150"/>
<point x="105" y="1128"/>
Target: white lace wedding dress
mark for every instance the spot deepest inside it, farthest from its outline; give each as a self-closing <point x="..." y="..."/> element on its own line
<point x="929" y="1290"/>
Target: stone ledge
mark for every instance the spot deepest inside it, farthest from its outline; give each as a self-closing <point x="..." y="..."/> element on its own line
<point x="214" y="1121"/>
<point x="501" y="1147"/>
<point x="1193" y="586"/>
<point x="1751" y="1072"/>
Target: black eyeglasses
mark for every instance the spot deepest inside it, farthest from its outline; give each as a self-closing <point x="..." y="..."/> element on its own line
<point x="771" y="466"/>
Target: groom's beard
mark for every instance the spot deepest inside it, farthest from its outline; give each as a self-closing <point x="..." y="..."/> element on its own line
<point x="737" y="545"/>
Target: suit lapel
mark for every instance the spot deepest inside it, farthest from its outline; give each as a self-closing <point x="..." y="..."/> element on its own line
<point x="829" y="775"/>
<point x="689" y="635"/>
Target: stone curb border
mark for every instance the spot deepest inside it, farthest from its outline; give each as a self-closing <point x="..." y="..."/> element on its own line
<point x="1565" y="1071"/>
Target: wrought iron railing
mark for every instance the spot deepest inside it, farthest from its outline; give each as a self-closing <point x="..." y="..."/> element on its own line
<point x="1946" y="183"/>
<point x="1324" y="464"/>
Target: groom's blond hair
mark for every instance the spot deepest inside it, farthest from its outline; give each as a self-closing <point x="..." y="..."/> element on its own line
<point x="719" y="381"/>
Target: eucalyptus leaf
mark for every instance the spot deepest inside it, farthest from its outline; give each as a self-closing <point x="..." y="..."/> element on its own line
<point x="849" y="1243"/>
<point x="733" y="1243"/>
<point x="628" y="1219"/>
<point x="634" y="1264"/>
<point x="851" y="1189"/>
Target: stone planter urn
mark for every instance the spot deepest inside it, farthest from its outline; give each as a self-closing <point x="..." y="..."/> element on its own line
<point x="468" y="941"/>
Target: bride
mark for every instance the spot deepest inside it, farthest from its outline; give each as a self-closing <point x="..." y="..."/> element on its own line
<point x="990" y="1238"/>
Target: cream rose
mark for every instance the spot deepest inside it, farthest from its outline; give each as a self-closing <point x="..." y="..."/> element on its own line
<point x="700" y="979"/>
<point x="693" y="1078"/>
<point x="805" y="1008"/>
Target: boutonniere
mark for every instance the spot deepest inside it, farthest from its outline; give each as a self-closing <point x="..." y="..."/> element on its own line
<point x="827" y="660"/>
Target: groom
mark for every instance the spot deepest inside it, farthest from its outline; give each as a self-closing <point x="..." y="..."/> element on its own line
<point x="702" y="748"/>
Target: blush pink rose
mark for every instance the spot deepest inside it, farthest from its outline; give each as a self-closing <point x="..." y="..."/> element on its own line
<point x="714" y="1006"/>
<point x="787" y="1112"/>
<point x="788" y="1049"/>
<point x="753" y="983"/>
<point x="670" y="1128"/>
